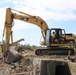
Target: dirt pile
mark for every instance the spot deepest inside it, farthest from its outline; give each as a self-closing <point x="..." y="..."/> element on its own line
<point x="24" y="66"/>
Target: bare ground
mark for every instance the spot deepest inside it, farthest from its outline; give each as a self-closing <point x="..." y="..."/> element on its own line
<point x="26" y="66"/>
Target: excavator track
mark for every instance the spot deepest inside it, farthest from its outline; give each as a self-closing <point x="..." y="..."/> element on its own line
<point x="54" y="51"/>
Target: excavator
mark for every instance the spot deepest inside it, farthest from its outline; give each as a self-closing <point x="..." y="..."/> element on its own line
<point x="61" y="44"/>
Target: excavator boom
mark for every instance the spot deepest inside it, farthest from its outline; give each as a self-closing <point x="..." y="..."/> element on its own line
<point x="23" y="17"/>
<point x="8" y="29"/>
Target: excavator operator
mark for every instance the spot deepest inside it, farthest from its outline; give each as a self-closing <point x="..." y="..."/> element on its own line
<point x="53" y="37"/>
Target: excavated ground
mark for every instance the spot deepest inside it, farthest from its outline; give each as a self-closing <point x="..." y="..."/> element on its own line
<point x="24" y="66"/>
<point x="30" y="64"/>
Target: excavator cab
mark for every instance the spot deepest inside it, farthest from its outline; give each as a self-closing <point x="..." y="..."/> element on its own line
<point x="55" y="36"/>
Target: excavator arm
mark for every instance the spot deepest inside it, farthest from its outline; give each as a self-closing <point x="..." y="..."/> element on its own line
<point x="23" y="17"/>
<point x="36" y="20"/>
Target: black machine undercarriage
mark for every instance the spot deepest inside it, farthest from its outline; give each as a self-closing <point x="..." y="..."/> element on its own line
<point x="54" y="51"/>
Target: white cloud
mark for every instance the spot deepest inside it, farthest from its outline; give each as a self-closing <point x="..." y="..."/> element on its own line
<point x="47" y="9"/>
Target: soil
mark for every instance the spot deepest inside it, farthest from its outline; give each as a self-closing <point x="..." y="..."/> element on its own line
<point x="29" y="64"/>
<point x="24" y="66"/>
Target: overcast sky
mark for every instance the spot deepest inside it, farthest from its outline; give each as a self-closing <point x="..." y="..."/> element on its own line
<point x="56" y="13"/>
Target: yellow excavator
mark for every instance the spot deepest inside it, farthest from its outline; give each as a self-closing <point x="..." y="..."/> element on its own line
<point x="60" y="44"/>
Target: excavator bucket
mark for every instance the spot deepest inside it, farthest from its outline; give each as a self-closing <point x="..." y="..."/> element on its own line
<point x="11" y="55"/>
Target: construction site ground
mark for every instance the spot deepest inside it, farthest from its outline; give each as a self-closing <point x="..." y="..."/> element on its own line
<point x="30" y="64"/>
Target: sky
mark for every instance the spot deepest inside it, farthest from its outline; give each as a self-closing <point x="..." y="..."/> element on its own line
<point x="56" y="13"/>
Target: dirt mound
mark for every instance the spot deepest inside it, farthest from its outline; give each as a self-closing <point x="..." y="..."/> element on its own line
<point x="24" y="66"/>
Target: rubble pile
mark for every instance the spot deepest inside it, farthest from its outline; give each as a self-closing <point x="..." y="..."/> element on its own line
<point x="24" y="66"/>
